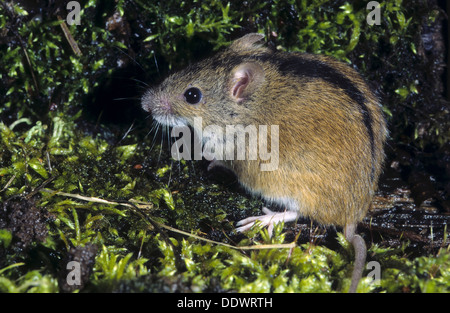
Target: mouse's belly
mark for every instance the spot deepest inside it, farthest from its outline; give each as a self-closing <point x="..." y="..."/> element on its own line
<point x="324" y="197"/>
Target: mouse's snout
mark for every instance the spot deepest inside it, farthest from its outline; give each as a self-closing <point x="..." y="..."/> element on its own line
<point x="161" y="108"/>
<point x="147" y="100"/>
<point x="156" y="103"/>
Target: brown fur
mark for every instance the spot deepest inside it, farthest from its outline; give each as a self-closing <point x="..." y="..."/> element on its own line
<point x="330" y="157"/>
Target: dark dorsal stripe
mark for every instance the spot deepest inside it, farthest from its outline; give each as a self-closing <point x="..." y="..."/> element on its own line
<point x="315" y="69"/>
<point x="299" y="66"/>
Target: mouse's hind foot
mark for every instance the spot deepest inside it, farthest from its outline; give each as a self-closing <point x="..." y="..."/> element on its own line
<point x="269" y="219"/>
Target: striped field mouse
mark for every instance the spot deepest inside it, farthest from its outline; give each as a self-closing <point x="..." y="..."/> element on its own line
<point x="323" y="124"/>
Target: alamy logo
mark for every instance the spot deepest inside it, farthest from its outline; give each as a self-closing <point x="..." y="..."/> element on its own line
<point x="74" y="276"/>
<point x="232" y="142"/>
<point x="374" y="17"/>
<point x="73" y="18"/>
<point x="375" y="273"/>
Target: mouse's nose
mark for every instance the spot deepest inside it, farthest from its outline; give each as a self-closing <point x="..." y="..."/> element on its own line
<point x="165" y="105"/>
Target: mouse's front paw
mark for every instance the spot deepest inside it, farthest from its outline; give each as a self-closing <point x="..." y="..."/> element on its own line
<point x="269" y="219"/>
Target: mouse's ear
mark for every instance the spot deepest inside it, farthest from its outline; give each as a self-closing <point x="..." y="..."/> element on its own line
<point x="245" y="80"/>
<point x="247" y="42"/>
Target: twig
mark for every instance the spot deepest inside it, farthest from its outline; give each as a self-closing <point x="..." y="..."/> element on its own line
<point x="131" y="204"/>
<point x="73" y="44"/>
<point x="9" y="183"/>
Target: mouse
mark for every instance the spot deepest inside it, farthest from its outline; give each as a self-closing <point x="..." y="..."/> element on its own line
<point x="326" y="127"/>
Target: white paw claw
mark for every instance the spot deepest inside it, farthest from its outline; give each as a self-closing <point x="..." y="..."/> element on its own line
<point x="269" y="219"/>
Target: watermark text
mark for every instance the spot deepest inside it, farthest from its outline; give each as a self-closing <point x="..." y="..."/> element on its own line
<point x="229" y="143"/>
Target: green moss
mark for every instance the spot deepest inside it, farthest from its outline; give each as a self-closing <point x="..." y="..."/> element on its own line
<point x="55" y="156"/>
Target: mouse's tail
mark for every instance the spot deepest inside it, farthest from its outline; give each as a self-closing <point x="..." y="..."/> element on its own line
<point x="360" y="255"/>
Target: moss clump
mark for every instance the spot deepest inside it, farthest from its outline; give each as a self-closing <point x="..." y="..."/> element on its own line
<point x="81" y="181"/>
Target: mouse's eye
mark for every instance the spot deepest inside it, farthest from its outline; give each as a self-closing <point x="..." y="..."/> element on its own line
<point x="193" y="95"/>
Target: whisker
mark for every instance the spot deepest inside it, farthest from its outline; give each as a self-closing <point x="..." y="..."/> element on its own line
<point x="156" y="64"/>
<point x="170" y="173"/>
<point x="131" y="58"/>
<point x="155" y="129"/>
<point x="127" y="132"/>
<point x="127" y="98"/>
<point x="144" y="84"/>
<point x="162" y="141"/>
